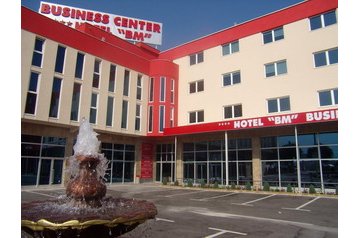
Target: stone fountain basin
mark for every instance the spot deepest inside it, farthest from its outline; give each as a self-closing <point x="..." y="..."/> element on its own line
<point x="62" y="218"/>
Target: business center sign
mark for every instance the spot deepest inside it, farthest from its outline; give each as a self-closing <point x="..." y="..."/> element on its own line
<point x="127" y="28"/>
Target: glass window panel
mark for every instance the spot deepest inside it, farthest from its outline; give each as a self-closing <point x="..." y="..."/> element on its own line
<point x="200" y="116"/>
<point x="268" y="142"/>
<point x="226" y="80"/>
<point x="325" y="98"/>
<point x="235" y="47"/>
<point x="200" y="57"/>
<point x="52" y="151"/>
<point x="188" y="171"/>
<point x="107" y="154"/>
<point x="192" y="59"/>
<point x="201" y="172"/>
<point x="30" y="138"/>
<point x="333" y="56"/>
<point x="285" y="104"/>
<point x="117" y="172"/>
<point x="55" y="97"/>
<point x="215" y="145"/>
<point x="38" y="44"/>
<point x="320" y="59"/>
<point x="330" y="173"/>
<point x="215" y="156"/>
<point x="200" y="86"/>
<point x="124" y="114"/>
<point x="308" y="139"/>
<point x="287" y="153"/>
<point x="236" y="78"/>
<point x="29" y="167"/>
<point x="244" y="155"/>
<point x="267" y="37"/>
<point x="270" y="70"/>
<point x="201" y="156"/>
<point x="188" y="156"/>
<point x="245" y="172"/>
<point x="201" y="146"/>
<point x="109" y="111"/>
<point x="278" y="33"/>
<point x="30" y="150"/>
<point x="36" y="59"/>
<point x="79" y="65"/>
<point x="130" y="147"/>
<point x="328" y="138"/>
<point x="329" y="152"/>
<point x="228" y="112"/>
<point x="226" y="49"/>
<point x="30" y="103"/>
<point x="60" y="58"/>
<point x="281" y="67"/>
<point x="129" y="156"/>
<point x="335" y="95"/>
<point x="192" y="117"/>
<point x="126" y="83"/>
<point x="308" y="152"/>
<point x="288" y="170"/>
<point x="270" y="173"/>
<point x="237" y="111"/>
<point x="315" y="22"/>
<point x="54" y="140"/>
<point x="192" y="87"/>
<point x="112" y="78"/>
<point x="161" y="118"/>
<point x="286" y="141"/>
<point x="310" y="173"/>
<point x="33" y="81"/>
<point x="232" y="155"/>
<point x="330" y="18"/>
<point x="269" y="154"/>
<point x="188" y="146"/>
<point x="75" y="101"/>
<point x="106" y="145"/>
<point x="232" y="172"/>
<point x="272" y="105"/>
<point x="244" y="143"/>
<point x="128" y="171"/>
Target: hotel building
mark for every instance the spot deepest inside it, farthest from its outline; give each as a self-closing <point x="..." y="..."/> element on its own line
<point x="254" y="103"/>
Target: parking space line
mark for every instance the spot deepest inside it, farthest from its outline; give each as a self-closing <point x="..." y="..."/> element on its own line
<point x="174" y="195"/>
<point x="162" y="219"/>
<point x="205" y="199"/>
<point x="303" y="205"/>
<point x="43" y="194"/>
<point x="256" y="200"/>
<point x="221" y="231"/>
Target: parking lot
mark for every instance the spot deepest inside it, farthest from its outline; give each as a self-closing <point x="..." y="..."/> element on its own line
<point x="184" y="212"/>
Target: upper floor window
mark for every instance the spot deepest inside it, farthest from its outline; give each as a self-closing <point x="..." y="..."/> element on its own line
<point x="38" y="52"/>
<point x="162" y="89"/>
<point x="232" y="111"/>
<point x="139" y="87"/>
<point x="278" y="104"/>
<point x="93" y="108"/>
<point x="197" y="86"/>
<point x="326" y="57"/>
<point x="32" y="92"/>
<point x="323" y="20"/>
<point x="172" y="87"/>
<point x="112" y="78"/>
<point x="126" y="83"/>
<point x="96" y="73"/>
<point x="231" y="78"/>
<point x="60" y="59"/>
<point x="276" y="68"/>
<point x="273" y="35"/>
<point x="328" y="97"/>
<point x="196" y="116"/>
<point x="151" y="89"/>
<point x="79" y="65"/>
<point x="110" y="106"/>
<point x="197" y="58"/>
<point x="230" y="48"/>
<point x="55" y="97"/>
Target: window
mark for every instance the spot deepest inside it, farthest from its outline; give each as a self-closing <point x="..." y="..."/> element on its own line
<point x="151" y="89"/>
<point x="161" y="118"/>
<point x="230" y="48"/>
<point x="138" y="112"/>
<point x="273" y="35"/>
<point x="139" y="87"/>
<point x="126" y="83"/>
<point x="96" y="73"/>
<point x="232" y="111"/>
<point x="328" y="97"/>
<point x="276" y="68"/>
<point x="278" y="104"/>
<point x="323" y="20"/>
<point x="55" y="97"/>
<point x="75" y="101"/>
<point x="93" y="109"/>
<point x="231" y="78"/>
<point x="38" y="52"/>
<point x="326" y="57"/>
<point x="196" y="58"/>
<point x="109" y="117"/>
<point x="31" y="98"/>
<point x="172" y="86"/>
<point x="150" y="119"/>
<point x="60" y="59"/>
<point x="162" y="89"/>
<point x="197" y="86"/>
<point x="124" y="114"/>
<point x="112" y="78"/>
<point x="79" y="65"/>
<point x="196" y="116"/>
<point x="171" y="117"/>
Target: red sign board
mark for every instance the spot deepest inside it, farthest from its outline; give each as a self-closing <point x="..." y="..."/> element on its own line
<point x="258" y="122"/>
<point x="147" y="161"/>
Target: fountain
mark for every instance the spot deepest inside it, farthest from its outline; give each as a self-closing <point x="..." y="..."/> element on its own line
<point x="85" y="211"/>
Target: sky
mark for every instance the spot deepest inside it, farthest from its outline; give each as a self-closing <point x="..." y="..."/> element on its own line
<point x="183" y="20"/>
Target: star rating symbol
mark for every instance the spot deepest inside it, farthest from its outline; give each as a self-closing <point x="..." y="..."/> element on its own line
<point x="224" y="123"/>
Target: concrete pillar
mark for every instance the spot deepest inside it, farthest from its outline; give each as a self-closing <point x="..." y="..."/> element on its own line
<point x="256" y="163"/>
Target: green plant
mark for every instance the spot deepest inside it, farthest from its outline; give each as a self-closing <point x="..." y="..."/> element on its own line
<point x="248" y="185"/>
<point x="165" y="181"/>
<point x="233" y="186"/>
<point x="216" y="184"/>
<point x="266" y="186"/>
<point x="190" y="183"/>
<point x="176" y="183"/>
<point x="289" y="188"/>
<point x="312" y="190"/>
<point x="202" y="183"/>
